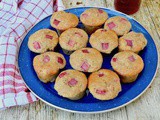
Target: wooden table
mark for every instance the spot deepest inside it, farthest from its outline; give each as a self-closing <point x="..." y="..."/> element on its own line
<point x="147" y="107"/>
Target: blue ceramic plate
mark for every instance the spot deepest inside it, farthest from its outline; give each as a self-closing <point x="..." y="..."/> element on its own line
<point x="88" y="104"/>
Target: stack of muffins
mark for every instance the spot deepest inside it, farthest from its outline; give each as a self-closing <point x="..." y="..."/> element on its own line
<point x="103" y="84"/>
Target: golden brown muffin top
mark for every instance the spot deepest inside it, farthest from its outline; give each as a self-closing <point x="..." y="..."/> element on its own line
<point x="132" y="41"/>
<point x="127" y="63"/>
<point x="104" y="41"/>
<point x="73" y="39"/>
<point x="104" y="84"/>
<point x="51" y="61"/>
<point x="118" y="24"/>
<point x="43" y="40"/>
<point x="93" y="17"/>
<point x="70" y="83"/>
<point x="62" y="20"/>
<point x="86" y="60"/>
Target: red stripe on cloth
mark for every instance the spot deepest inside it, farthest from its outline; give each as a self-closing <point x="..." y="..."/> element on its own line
<point x="6" y="36"/>
<point x="29" y="98"/>
<point x="7" y="3"/>
<point x="8" y="54"/>
<point x="4" y="72"/>
<point x="30" y="13"/>
<point x="14" y="30"/>
<point x="3" y="103"/>
<point x="7" y="11"/>
<point x="37" y="18"/>
<point x="15" y="101"/>
<point x="24" y="28"/>
<point x="20" y="90"/>
<point x="10" y="73"/>
<point x="8" y="44"/>
<point x="2" y="26"/>
<point x="17" y="33"/>
<point x="39" y="7"/>
<point x="12" y="90"/>
<point x="9" y="19"/>
<point x="6" y="20"/>
<point x="7" y="90"/>
<point x="11" y="82"/>
<point x="9" y="66"/>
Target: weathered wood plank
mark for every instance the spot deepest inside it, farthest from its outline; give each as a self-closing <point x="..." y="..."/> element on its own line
<point x="154" y="8"/>
<point x="146" y="107"/>
<point x="80" y="3"/>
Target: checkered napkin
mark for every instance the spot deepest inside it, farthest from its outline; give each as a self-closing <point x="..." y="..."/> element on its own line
<point x="16" y="19"/>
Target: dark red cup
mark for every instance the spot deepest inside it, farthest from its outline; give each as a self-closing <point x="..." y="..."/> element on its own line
<point x="127" y="6"/>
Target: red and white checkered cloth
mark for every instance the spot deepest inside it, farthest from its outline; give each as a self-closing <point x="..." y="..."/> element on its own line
<point x="16" y="19"/>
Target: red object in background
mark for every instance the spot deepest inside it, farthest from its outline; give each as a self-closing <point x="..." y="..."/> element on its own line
<point x="127" y="6"/>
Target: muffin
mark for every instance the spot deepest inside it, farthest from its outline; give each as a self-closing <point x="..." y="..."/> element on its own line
<point x="128" y="65"/>
<point x="47" y="65"/>
<point x="62" y="20"/>
<point x="86" y="60"/>
<point x="104" y="41"/>
<point x="43" y="40"/>
<point x="73" y="39"/>
<point x="93" y="19"/>
<point x="119" y="24"/>
<point x="104" y="84"/>
<point x="71" y="84"/>
<point x="132" y="41"/>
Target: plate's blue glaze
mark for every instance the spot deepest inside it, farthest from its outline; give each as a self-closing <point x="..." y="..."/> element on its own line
<point x="88" y="103"/>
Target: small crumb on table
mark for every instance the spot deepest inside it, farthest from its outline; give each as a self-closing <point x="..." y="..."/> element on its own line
<point x="78" y="3"/>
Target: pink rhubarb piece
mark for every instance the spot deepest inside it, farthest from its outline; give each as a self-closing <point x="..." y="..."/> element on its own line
<point x="101" y="92"/>
<point x="105" y="46"/>
<point x="36" y="45"/>
<point x="56" y="22"/>
<point x="62" y="74"/>
<point x="46" y="59"/>
<point x="129" y="43"/>
<point x="111" y="25"/>
<point x="100" y="11"/>
<point x="131" y="58"/>
<point x="84" y="15"/>
<point x="114" y="59"/>
<point x="60" y="60"/>
<point x="113" y="88"/>
<point x="78" y="34"/>
<point x="49" y="36"/>
<point x="116" y="80"/>
<point x="72" y="82"/>
<point x="85" y="66"/>
<point x="101" y="75"/>
<point x="71" y="43"/>
<point x="85" y="51"/>
<point x="123" y="20"/>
